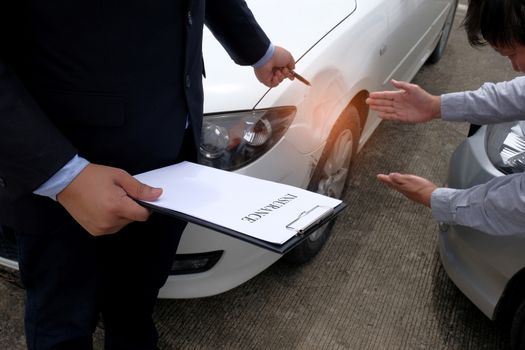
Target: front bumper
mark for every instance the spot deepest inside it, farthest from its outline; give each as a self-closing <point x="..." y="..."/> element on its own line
<point x="240" y="261"/>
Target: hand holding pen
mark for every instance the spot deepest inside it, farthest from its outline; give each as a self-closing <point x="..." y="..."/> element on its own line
<point x="300" y="78"/>
<point x="291" y="74"/>
<point x="280" y="66"/>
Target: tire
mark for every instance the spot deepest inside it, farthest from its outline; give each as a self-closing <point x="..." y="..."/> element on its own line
<point x="330" y="178"/>
<point x="517" y="331"/>
<point x="436" y="55"/>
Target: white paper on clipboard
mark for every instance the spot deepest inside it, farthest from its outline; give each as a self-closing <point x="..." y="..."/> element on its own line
<point x="262" y="209"/>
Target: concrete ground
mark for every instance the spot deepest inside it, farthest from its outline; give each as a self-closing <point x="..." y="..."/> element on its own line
<point x="377" y="284"/>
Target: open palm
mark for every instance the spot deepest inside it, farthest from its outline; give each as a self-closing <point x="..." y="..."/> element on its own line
<point x="410" y="103"/>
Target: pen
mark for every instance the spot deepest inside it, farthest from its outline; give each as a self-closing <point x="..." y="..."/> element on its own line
<point x="301" y="79"/>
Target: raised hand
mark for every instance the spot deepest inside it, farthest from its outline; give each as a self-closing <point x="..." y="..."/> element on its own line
<point x="414" y="187"/>
<point x="410" y="104"/>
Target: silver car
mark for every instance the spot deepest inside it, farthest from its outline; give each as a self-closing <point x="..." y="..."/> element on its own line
<point x="488" y="269"/>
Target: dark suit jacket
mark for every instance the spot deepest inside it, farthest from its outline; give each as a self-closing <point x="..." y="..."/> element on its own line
<point x="112" y="80"/>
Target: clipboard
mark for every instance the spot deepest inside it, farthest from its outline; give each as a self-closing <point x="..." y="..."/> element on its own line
<point x="300" y="234"/>
<point x="233" y="204"/>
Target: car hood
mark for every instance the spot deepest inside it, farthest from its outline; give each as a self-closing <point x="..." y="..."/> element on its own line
<point x="295" y="25"/>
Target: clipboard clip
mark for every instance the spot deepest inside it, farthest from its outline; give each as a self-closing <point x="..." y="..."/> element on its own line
<point x="310" y="218"/>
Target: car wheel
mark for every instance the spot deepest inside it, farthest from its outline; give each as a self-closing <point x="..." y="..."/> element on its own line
<point x="517" y="332"/>
<point x="436" y="55"/>
<point x="330" y="178"/>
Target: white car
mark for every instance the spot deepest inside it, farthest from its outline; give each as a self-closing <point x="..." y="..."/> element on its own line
<point x="296" y="134"/>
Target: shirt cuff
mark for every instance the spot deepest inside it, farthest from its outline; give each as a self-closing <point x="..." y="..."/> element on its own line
<point x="452" y="105"/>
<point x="267" y="56"/>
<point x="441" y="205"/>
<point x="52" y="187"/>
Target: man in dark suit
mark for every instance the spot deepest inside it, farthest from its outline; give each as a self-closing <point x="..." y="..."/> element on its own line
<point x="91" y="92"/>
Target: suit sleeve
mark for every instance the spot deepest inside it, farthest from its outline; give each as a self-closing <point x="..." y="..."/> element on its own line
<point x="234" y="25"/>
<point x="31" y="148"/>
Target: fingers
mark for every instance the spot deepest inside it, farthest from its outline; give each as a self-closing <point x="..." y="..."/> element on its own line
<point x="134" y="211"/>
<point x="283" y="73"/>
<point x="291" y="64"/>
<point x="100" y="199"/>
<point x="397" y="83"/>
<point x="415" y="188"/>
<point x="120" y="210"/>
<point x="278" y="68"/>
<point x="287" y="73"/>
<point x="409" y="179"/>
<point x="383" y="95"/>
<point x="384" y="108"/>
<point x="388" y="112"/>
<point x="134" y="189"/>
<point x="283" y="58"/>
<point x="386" y="179"/>
<point x="397" y="178"/>
<point x="380" y="98"/>
<point x="396" y="181"/>
<point x="379" y="102"/>
<point x="383" y="177"/>
<point x="278" y="76"/>
<point x="273" y="82"/>
<point x="402" y="85"/>
<point x="386" y="103"/>
<point x="137" y="190"/>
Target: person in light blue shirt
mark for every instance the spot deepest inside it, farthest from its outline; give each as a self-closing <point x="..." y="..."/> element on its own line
<point x="496" y="207"/>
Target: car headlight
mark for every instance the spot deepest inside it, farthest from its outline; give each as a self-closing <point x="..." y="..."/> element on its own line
<point x="232" y="140"/>
<point x="505" y="144"/>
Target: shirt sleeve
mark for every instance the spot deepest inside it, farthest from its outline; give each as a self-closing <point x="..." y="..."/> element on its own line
<point x="269" y="53"/>
<point x="497" y="207"/>
<point x="492" y="103"/>
<point x="52" y="187"/>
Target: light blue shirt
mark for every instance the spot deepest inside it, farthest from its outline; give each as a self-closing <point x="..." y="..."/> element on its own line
<point x="56" y="184"/>
<point x="62" y="178"/>
<point x="263" y="60"/>
<point x="498" y="206"/>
